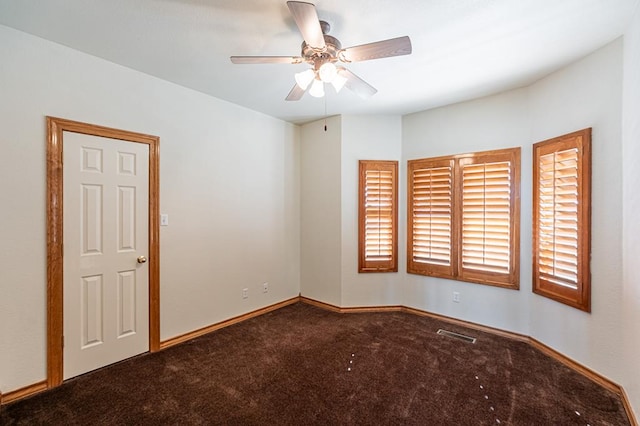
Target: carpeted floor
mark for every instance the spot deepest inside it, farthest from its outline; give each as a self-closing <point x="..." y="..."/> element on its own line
<point x="302" y="365"/>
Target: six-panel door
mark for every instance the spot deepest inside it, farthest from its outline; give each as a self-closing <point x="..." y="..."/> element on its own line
<point x="106" y="291"/>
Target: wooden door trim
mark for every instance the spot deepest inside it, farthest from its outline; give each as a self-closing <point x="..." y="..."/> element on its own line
<point x="55" y="319"/>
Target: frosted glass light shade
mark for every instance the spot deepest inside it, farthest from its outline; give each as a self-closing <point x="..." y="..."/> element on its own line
<point x="327" y="72"/>
<point x="338" y="82"/>
<point x="304" y="78"/>
<point x="317" y="89"/>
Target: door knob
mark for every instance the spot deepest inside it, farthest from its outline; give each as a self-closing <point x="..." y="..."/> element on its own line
<point x="142" y="259"/>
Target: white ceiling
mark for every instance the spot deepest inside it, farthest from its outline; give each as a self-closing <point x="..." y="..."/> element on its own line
<point x="462" y="49"/>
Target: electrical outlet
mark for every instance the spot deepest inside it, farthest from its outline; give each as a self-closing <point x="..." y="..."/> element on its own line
<point x="456" y="296"/>
<point x="265" y="287"/>
<point x="245" y="293"/>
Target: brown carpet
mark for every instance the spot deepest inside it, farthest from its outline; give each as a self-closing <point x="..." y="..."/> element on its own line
<point x="302" y="365"/>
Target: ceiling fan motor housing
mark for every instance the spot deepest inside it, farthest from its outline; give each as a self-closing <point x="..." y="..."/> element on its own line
<point x="318" y="57"/>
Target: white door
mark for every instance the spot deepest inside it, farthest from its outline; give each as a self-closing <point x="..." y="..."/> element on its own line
<point x="106" y="282"/>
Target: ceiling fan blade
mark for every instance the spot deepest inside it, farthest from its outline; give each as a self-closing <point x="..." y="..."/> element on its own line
<point x="379" y="49"/>
<point x="295" y="94"/>
<point x="266" y="59"/>
<point x="356" y="84"/>
<point x="308" y="23"/>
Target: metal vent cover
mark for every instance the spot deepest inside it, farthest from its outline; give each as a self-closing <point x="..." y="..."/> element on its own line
<point x="458" y="336"/>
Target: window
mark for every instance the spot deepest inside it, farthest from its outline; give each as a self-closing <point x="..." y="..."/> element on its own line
<point x="378" y="216"/>
<point x="561" y="219"/>
<point x="430" y="218"/>
<point x="464" y="217"/>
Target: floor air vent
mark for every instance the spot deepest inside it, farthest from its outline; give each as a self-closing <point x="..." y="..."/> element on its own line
<point x="457" y="336"/>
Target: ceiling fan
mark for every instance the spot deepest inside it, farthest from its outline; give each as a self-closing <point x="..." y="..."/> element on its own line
<point x="322" y="52"/>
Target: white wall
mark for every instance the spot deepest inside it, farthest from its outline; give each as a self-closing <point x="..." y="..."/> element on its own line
<point x="631" y="210"/>
<point x="228" y="179"/>
<point x="366" y="138"/>
<point x="329" y="210"/>
<point x="495" y="122"/>
<point x="588" y="93"/>
<point x="320" y="211"/>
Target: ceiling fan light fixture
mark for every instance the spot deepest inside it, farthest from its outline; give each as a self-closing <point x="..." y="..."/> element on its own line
<point x="317" y="89"/>
<point x="327" y="72"/>
<point x="323" y="51"/>
<point x="304" y="78"/>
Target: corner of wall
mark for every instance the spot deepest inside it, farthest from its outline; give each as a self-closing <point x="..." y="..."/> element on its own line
<point x="320" y="199"/>
<point x="631" y="208"/>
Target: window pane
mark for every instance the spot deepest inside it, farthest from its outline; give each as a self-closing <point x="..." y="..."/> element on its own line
<point x="486" y="224"/>
<point x="558" y="225"/>
<point x="562" y="198"/>
<point x="464" y="218"/>
<point x="432" y="201"/>
<point x="377" y="216"/>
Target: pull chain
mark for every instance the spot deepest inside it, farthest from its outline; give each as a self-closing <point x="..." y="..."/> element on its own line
<point x="325" y="113"/>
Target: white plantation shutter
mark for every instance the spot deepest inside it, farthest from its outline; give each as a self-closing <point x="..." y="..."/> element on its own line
<point x="486" y="218"/>
<point x="378" y="213"/>
<point x="430" y="245"/>
<point x="561" y="219"/>
<point x="432" y="209"/>
<point x="558" y="220"/>
<point x="378" y="220"/>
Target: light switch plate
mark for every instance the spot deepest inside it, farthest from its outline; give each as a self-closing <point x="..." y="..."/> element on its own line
<point x="164" y="219"/>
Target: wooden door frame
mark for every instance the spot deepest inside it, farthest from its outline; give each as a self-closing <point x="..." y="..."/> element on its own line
<point x="55" y="253"/>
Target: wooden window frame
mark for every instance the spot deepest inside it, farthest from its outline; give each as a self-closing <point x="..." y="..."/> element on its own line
<point x="455" y="270"/>
<point x="364" y="264"/>
<point x="431" y="269"/>
<point x="580" y="297"/>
